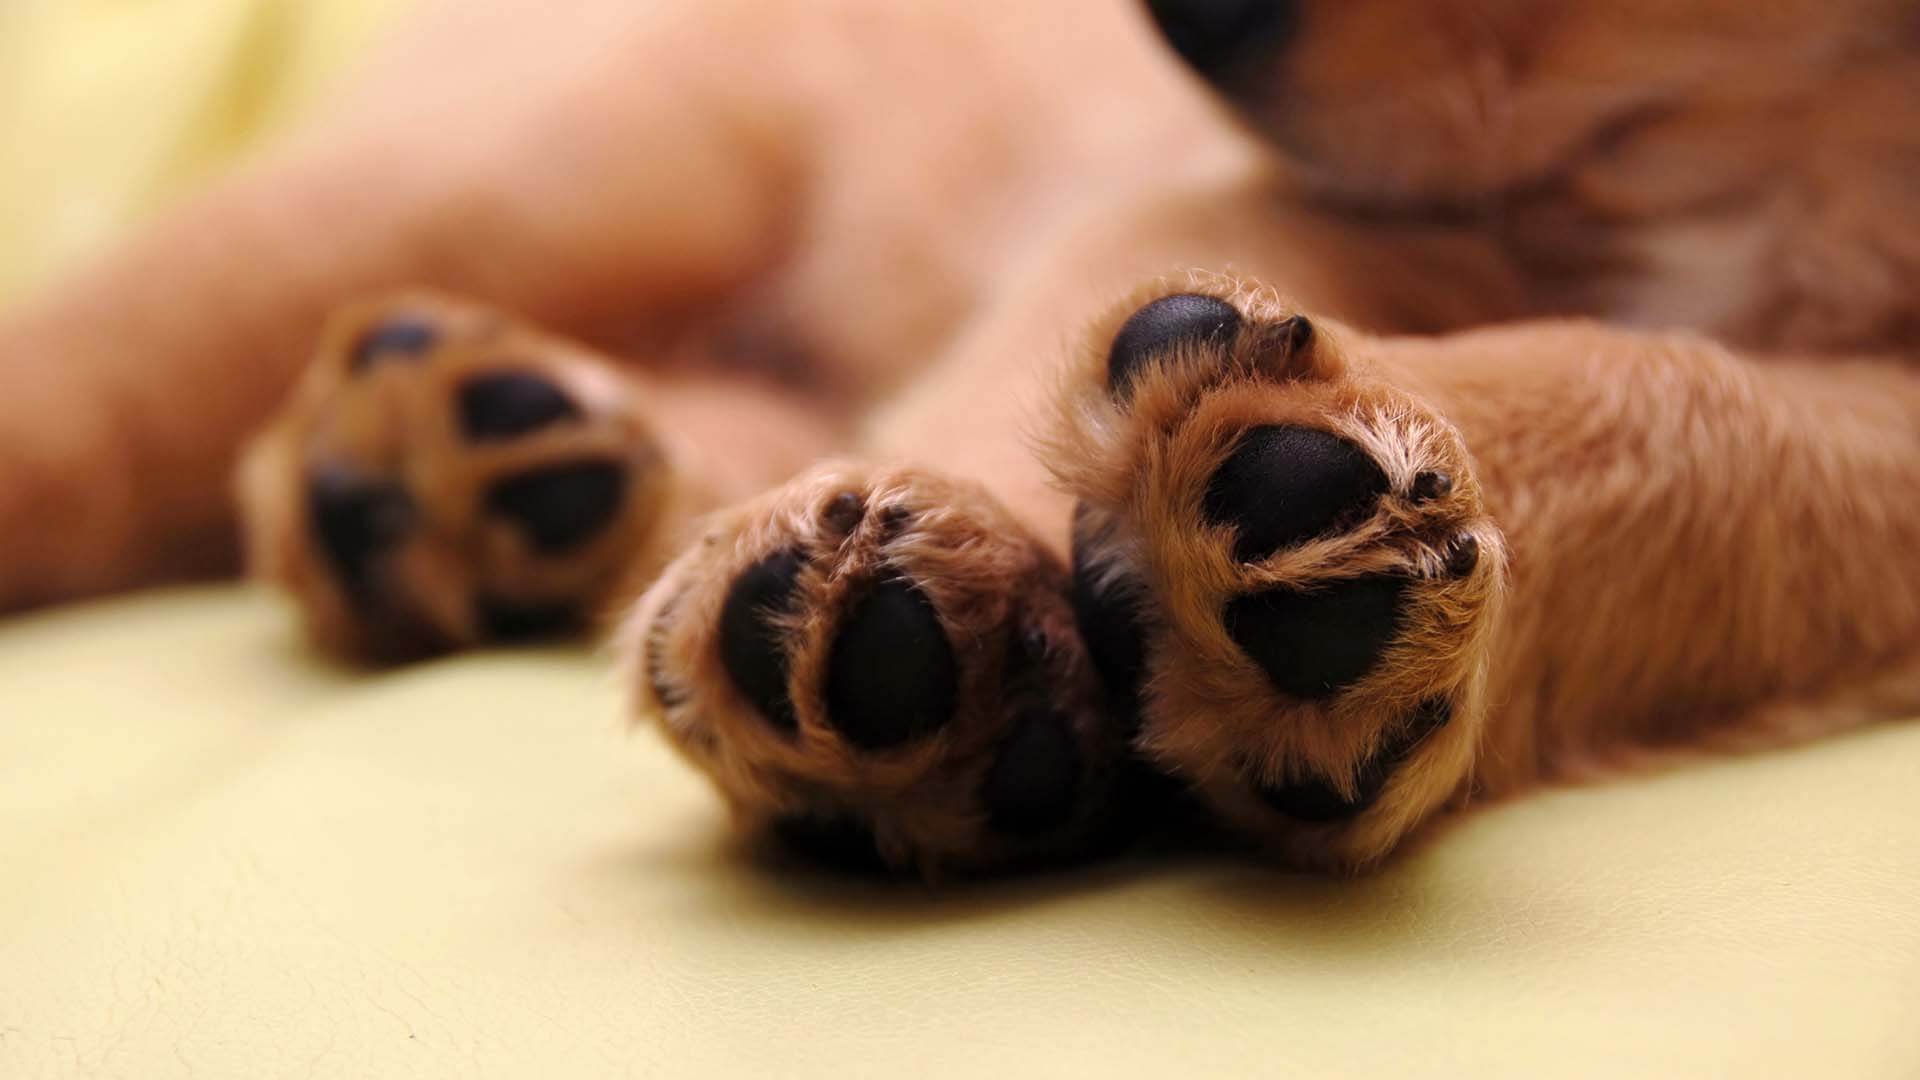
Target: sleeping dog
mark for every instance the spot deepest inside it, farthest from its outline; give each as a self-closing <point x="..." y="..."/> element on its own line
<point x="1349" y="409"/>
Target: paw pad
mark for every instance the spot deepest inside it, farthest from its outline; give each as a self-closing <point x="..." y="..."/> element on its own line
<point x="1282" y="486"/>
<point x="1463" y="555"/>
<point x="477" y="489"/>
<point x="1430" y="485"/>
<point x="355" y="521"/>
<point x="1163" y="324"/>
<point x="1317" y="801"/>
<point x="1275" y="550"/>
<point x="891" y="678"/>
<point x="844" y="512"/>
<point x="507" y="405"/>
<point x="837" y="842"/>
<point x="398" y="338"/>
<point x="910" y="685"/>
<point x="560" y="506"/>
<point x="1033" y="785"/>
<point x="753" y="645"/>
<point x="1314" y="643"/>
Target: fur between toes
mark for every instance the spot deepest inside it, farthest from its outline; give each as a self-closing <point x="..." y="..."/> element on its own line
<point x="881" y="663"/>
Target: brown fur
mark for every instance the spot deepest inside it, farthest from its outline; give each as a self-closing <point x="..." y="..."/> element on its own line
<point x="395" y="424"/>
<point x="1211" y="714"/>
<point x="1729" y="167"/>
<point x="996" y="591"/>
<point x="1703" y="548"/>
<point x="1671" y="514"/>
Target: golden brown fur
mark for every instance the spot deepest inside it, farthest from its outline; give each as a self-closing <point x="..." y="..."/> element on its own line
<point x="1670" y="516"/>
<point x="394" y="426"/>
<point x="1702" y="548"/>
<point x="1142" y="467"/>
<point x="1728" y="167"/>
<point x="1000" y="595"/>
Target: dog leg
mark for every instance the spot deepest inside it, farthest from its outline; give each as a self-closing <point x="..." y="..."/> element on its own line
<point x="1553" y="546"/>
<point x="445" y="476"/>
<point x="1288" y="565"/>
<point x="879" y="666"/>
<point x="1352" y="580"/>
<point x="732" y="651"/>
<point x="568" y="165"/>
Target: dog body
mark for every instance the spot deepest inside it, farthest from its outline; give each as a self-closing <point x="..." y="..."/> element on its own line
<point x="881" y="226"/>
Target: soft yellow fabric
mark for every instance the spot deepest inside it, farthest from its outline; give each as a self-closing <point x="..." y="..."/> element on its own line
<point x="111" y="108"/>
<point x="221" y="858"/>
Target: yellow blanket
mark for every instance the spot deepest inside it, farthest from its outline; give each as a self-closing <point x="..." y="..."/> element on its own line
<point x="111" y="108"/>
<point x="219" y="857"/>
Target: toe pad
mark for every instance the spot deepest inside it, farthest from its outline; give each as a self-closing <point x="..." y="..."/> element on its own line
<point x="560" y="506"/>
<point x="1313" y="644"/>
<point x="510" y="404"/>
<point x="1284" y="485"/>
<point x="1162" y="324"/>
<point x="399" y="338"/>
<point x="752" y="647"/>
<point x="891" y="676"/>
<point x="1033" y="785"/>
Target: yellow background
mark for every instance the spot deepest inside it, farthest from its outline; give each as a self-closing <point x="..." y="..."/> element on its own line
<point x="109" y="109"/>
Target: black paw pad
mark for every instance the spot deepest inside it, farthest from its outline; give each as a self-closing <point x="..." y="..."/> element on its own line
<point x="560" y="506"/>
<point x="510" y="404"/>
<point x="1284" y="485"/>
<point x="1108" y="618"/>
<point x="843" y="512"/>
<point x="891" y="675"/>
<point x="354" y="521"/>
<point x="837" y="842"/>
<point x="400" y="338"/>
<point x="1226" y="39"/>
<point x="1429" y="486"/>
<point x="752" y="649"/>
<point x="1157" y="327"/>
<point x="1317" y="801"/>
<point x="521" y="620"/>
<point x="1463" y="555"/>
<point x="1295" y="333"/>
<point x="1313" y="644"/>
<point x="1033" y="785"/>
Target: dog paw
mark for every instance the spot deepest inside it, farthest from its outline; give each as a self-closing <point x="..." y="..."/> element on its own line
<point x="880" y="668"/>
<point x="443" y="477"/>
<point x="1283" y="564"/>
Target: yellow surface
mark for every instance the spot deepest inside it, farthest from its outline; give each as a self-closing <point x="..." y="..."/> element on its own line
<point x="224" y="859"/>
<point x="109" y="109"/>
<point x="220" y="858"/>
